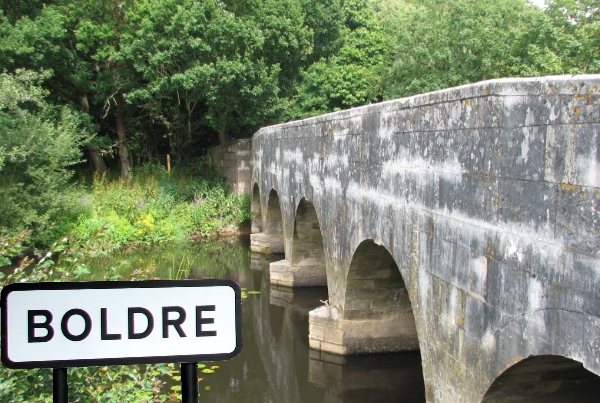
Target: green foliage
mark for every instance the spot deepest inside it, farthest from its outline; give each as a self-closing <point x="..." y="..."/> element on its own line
<point x="578" y="22"/>
<point x="157" y="206"/>
<point x="65" y="261"/>
<point x="348" y="77"/>
<point x="212" y="63"/>
<point x="38" y="146"/>
<point x="435" y="45"/>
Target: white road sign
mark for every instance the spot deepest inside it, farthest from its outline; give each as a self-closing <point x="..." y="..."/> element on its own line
<point x="57" y="325"/>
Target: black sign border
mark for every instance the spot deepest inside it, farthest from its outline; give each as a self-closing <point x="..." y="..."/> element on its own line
<point x="8" y="363"/>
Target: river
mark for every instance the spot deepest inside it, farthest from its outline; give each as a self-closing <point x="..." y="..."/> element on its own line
<point x="276" y="364"/>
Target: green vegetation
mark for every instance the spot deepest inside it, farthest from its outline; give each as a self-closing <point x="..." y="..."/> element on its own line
<point x="142" y="79"/>
<point x="39" y="143"/>
<point x="65" y="261"/>
<point x="156" y="206"/>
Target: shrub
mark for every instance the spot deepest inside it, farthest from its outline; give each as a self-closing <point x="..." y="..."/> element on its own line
<point x="38" y="146"/>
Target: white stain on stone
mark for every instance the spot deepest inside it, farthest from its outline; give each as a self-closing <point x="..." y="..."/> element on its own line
<point x="478" y="270"/>
<point x="513" y="250"/>
<point x="529" y="117"/>
<point x="525" y="145"/>
<point x="589" y="169"/>
<point x="535" y="295"/>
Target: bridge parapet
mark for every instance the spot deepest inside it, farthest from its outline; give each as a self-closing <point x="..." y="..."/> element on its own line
<point x="486" y="197"/>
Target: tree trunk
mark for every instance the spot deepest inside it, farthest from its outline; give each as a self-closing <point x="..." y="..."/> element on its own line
<point x="97" y="160"/>
<point x="95" y="156"/>
<point x="123" y="151"/>
<point x="222" y="136"/>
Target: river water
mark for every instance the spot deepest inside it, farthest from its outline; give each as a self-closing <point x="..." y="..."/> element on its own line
<point x="276" y="364"/>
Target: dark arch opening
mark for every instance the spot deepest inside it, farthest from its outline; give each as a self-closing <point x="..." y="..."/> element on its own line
<point x="256" y="210"/>
<point x="274" y="218"/>
<point x="308" y="240"/>
<point x="547" y="379"/>
<point x="376" y="291"/>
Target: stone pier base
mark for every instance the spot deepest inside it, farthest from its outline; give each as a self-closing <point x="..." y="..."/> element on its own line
<point x="284" y="274"/>
<point x="266" y="244"/>
<point x="387" y="333"/>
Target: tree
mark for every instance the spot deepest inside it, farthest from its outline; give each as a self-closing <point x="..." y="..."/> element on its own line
<point x="76" y="42"/>
<point x="348" y="77"/>
<point x="435" y="44"/>
<point x="214" y="63"/>
<point x="39" y="144"/>
<point x="579" y="23"/>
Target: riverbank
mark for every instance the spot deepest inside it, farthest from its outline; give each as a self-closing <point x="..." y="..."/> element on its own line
<point x="156" y="206"/>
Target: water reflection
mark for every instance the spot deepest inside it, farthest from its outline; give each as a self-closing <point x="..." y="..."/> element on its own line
<point x="276" y="364"/>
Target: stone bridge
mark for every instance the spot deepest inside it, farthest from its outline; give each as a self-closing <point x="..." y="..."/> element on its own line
<point x="462" y="223"/>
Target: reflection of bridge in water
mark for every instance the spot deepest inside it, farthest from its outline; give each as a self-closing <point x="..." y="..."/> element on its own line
<point x="298" y="374"/>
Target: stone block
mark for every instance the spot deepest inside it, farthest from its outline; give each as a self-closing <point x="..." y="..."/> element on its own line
<point x="314" y="344"/>
<point x="531" y="110"/>
<point x="580" y="273"/>
<point x="316" y="331"/>
<point x="571" y="154"/>
<point x="527" y="207"/>
<point x="591" y="343"/>
<point x="580" y="108"/>
<point x="334" y="336"/>
<point x="473" y="196"/>
<point x="332" y="348"/>
<point x="517" y="153"/>
<point x="577" y="218"/>
<point x="369" y="274"/>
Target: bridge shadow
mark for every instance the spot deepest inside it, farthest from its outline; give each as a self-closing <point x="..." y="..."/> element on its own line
<point x="545" y="379"/>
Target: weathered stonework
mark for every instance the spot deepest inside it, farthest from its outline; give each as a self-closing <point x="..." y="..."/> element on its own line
<point x="271" y="240"/>
<point x="486" y="198"/>
<point x="233" y="161"/>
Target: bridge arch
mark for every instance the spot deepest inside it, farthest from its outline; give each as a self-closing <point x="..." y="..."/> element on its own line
<point x="256" y="210"/>
<point x="304" y="265"/>
<point x="274" y="224"/>
<point x="545" y="379"/>
<point x="269" y="238"/>
<point x="377" y="302"/>
<point x="376" y="313"/>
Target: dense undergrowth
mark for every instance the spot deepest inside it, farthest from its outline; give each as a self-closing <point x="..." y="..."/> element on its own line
<point x="156" y="206"/>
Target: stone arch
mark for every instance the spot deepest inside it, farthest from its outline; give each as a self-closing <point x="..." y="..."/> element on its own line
<point x="376" y="313"/>
<point x="547" y="379"/>
<point x="256" y="210"/>
<point x="376" y="292"/>
<point x="274" y="224"/>
<point x="305" y="265"/>
<point x="270" y="240"/>
<point x="307" y="242"/>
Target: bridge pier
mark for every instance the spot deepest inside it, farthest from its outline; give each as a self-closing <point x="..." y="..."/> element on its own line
<point x="304" y="265"/>
<point x="269" y="238"/>
<point x="389" y="333"/>
<point x="303" y="274"/>
<point x="266" y="244"/>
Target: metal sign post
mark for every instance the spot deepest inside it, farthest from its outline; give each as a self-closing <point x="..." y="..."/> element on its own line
<point x="62" y="325"/>
<point x="60" y="386"/>
<point x="189" y="382"/>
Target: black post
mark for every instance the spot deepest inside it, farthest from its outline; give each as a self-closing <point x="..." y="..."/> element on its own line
<point x="60" y="387"/>
<point x="189" y="382"/>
